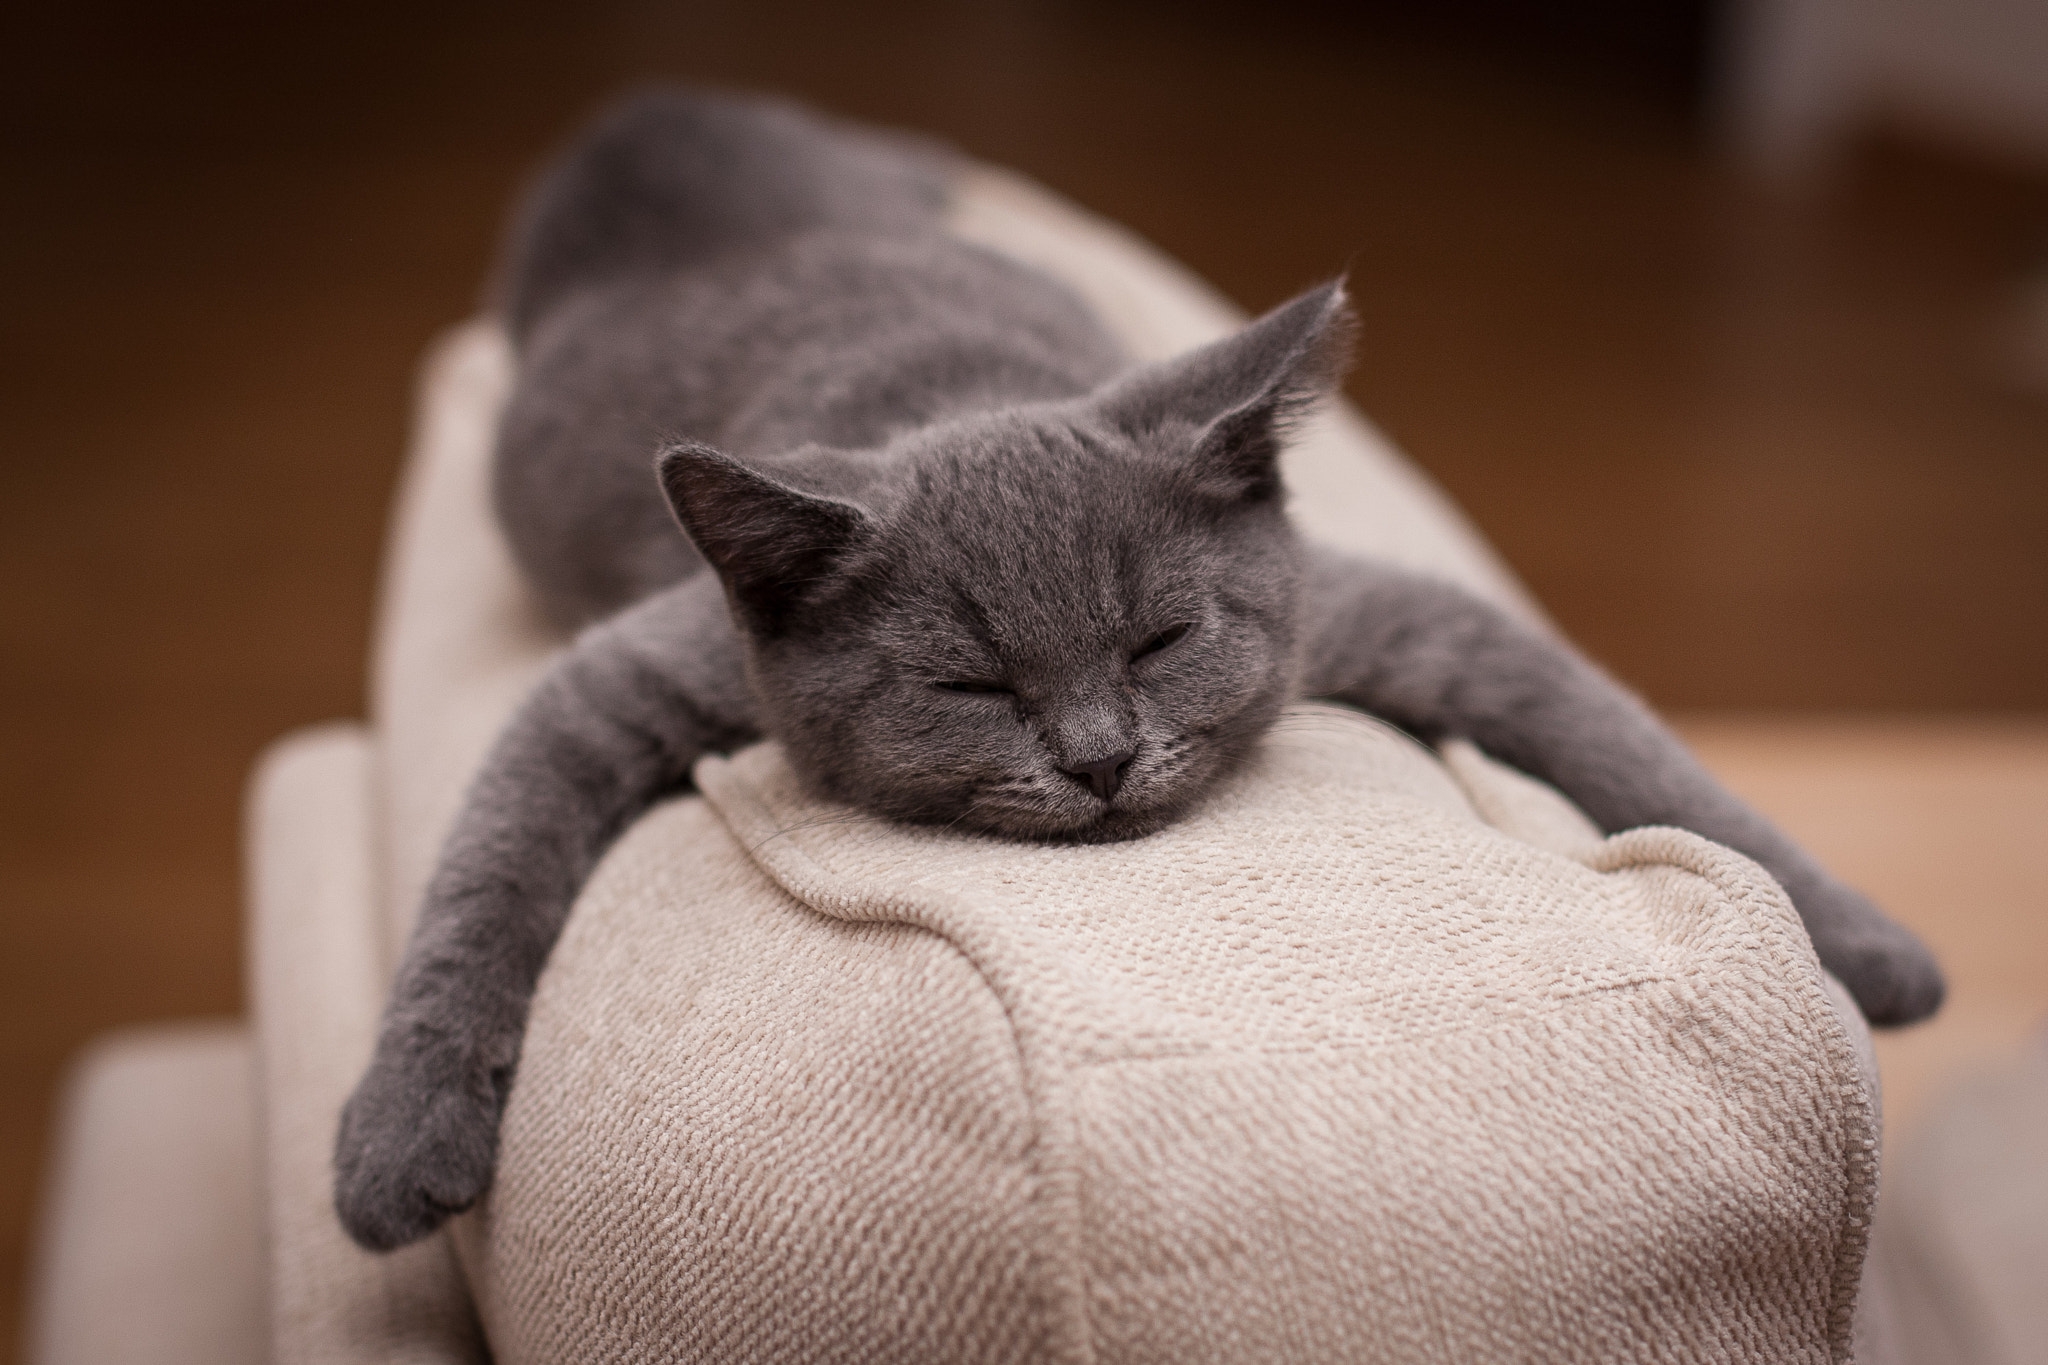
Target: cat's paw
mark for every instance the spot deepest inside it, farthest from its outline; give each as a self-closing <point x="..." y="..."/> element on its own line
<point x="1886" y="968"/>
<point x="418" y="1141"/>
<point x="1893" y="977"/>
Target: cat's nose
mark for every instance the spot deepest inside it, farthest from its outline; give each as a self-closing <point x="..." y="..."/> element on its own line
<point x="1104" y="775"/>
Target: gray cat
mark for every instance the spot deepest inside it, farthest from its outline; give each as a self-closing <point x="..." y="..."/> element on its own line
<point x="970" y="567"/>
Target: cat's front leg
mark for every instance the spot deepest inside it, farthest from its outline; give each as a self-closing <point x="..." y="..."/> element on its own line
<point x="616" y="723"/>
<point x="1441" y="663"/>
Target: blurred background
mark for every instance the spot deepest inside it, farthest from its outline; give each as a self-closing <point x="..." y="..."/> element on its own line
<point x="1727" y="323"/>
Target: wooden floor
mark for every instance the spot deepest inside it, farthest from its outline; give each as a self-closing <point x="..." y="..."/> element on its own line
<point x="1756" y="451"/>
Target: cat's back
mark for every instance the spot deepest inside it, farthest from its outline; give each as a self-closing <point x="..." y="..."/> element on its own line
<point x="832" y="337"/>
<point x="671" y="177"/>
<point x="778" y="282"/>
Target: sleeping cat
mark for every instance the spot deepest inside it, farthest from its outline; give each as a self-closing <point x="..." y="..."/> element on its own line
<point x="967" y="563"/>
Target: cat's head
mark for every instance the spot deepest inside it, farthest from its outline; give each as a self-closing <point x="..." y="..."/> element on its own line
<point x="1058" y="621"/>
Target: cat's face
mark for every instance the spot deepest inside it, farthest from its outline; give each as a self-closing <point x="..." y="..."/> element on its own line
<point x="1043" y="636"/>
<point x="1063" y="622"/>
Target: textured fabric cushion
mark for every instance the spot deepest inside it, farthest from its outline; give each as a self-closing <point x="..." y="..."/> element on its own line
<point x="1331" y="1062"/>
<point x="801" y="1087"/>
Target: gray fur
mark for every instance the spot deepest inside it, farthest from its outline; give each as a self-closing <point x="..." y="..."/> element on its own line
<point x="969" y="567"/>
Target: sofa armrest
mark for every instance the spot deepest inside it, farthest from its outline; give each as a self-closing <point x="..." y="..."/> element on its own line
<point x="151" y="1245"/>
<point x="317" y="983"/>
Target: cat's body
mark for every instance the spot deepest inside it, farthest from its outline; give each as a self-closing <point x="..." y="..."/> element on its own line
<point x="968" y="565"/>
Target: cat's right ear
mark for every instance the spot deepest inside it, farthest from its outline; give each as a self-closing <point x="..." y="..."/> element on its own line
<point x="769" y="542"/>
<point x="1235" y="401"/>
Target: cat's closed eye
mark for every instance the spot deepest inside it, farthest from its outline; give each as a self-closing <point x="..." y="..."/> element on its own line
<point x="971" y="685"/>
<point x="1162" y="640"/>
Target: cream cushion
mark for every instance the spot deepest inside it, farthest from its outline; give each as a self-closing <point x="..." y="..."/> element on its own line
<point x="1378" y="1057"/>
<point x="1330" y="1071"/>
<point x="150" y="1245"/>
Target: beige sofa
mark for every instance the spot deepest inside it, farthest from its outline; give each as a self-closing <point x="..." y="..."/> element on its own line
<point x="222" y="1132"/>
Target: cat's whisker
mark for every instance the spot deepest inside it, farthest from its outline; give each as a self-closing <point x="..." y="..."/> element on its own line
<point x="850" y="817"/>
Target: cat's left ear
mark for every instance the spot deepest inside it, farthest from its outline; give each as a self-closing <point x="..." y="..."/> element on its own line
<point x="772" y="544"/>
<point x="1242" y="396"/>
